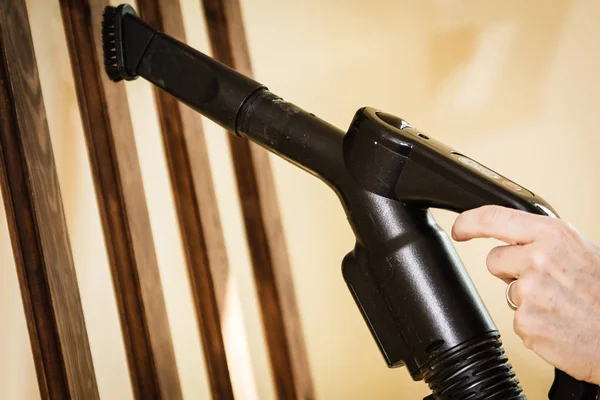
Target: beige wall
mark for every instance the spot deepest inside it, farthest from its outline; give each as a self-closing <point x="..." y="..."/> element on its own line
<point x="514" y="84"/>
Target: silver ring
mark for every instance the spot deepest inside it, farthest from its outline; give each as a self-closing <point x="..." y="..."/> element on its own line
<point x="511" y="303"/>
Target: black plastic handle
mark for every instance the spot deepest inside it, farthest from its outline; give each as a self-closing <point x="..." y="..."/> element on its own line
<point x="435" y="175"/>
<point x="388" y="156"/>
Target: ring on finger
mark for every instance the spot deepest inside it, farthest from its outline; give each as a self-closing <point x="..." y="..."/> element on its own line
<point x="509" y="300"/>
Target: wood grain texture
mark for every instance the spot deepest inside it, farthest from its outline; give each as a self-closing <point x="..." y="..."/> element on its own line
<point x="122" y="205"/>
<point x="36" y="220"/>
<point x="196" y="206"/>
<point x="264" y="233"/>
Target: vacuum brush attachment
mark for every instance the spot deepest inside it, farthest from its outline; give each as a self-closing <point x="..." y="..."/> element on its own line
<point x="133" y="48"/>
<point x="113" y="43"/>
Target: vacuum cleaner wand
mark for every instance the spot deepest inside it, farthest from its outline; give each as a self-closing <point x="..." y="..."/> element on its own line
<point x="404" y="273"/>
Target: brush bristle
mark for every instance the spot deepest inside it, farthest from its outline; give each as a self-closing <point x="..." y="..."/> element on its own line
<point x="109" y="43"/>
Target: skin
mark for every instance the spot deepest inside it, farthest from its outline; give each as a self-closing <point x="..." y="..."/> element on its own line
<point x="558" y="283"/>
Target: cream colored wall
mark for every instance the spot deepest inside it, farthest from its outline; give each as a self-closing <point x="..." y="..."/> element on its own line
<point x="513" y="84"/>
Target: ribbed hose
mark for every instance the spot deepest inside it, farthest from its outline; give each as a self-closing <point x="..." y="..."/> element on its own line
<point x="474" y="370"/>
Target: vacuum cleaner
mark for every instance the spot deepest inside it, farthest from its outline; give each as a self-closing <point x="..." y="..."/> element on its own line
<point x="404" y="273"/>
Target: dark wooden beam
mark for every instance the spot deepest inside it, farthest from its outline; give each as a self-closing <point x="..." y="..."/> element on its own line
<point x="122" y="204"/>
<point x="272" y="271"/>
<point x="196" y="207"/>
<point x="36" y="220"/>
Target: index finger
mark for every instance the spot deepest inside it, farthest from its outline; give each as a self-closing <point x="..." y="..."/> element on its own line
<point x="505" y="224"/>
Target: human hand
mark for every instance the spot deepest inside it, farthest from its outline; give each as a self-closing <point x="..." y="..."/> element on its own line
<point x="558" y="283"/>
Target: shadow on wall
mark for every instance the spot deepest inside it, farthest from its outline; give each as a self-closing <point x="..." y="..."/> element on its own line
<point x="477" y="59"/>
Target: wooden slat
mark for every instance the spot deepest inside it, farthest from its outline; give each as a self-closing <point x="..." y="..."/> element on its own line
<point x="122" y="205"/>
<point x="196" y="207"/>
<point x="36" y="220"/>
<point x="272" y="270"/>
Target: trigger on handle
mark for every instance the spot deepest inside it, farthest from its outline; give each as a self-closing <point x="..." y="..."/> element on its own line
<point x="565" y="387"/>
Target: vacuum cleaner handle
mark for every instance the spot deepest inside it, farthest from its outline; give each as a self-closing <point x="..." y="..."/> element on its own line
<point x="435" y="175"/>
